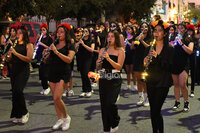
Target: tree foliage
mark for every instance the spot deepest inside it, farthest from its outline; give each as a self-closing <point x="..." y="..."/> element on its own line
<point x="16" y="8"/>
<point x="90" y="9"/>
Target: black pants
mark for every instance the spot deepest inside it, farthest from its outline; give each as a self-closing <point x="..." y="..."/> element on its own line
<point x="109" y="91"/>
<point x="18" y="83"/>
<point x="43" y="75"/>
<point x="84" y="67"/>
<point x="157" y="97"/>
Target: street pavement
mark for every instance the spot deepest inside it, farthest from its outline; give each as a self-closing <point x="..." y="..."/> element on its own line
<point x="86" y="113"/>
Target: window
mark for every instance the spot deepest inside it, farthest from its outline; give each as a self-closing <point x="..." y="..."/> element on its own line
<point x="37" y="28"/>
<point x="29" y="30"/>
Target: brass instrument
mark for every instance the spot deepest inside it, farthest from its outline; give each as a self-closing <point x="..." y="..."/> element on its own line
<point x="136" y="43"/>
<point x="36" y="45"/>
<point x="48" y="50"/>
<point x="145" y="74"/>
<point x="6" y="56"/>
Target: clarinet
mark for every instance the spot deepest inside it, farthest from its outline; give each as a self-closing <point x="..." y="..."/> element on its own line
<point x="95" y="76"/>
<point x="2" y="64"/>
<point x="102" y="58"/>
<point x="144" y="74"/>
<point x="136" y="43"/>
<point x="48" y="51"/>
<point x="36" y="45"/>
<point x="79" y="40"/>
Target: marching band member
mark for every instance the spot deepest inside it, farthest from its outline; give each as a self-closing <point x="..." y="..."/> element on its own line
<point x="130" y="53"/>
<point x="21" y="55"/>
<point x="138" y="66"/>
<point x="115" y="26"/>
<point x="45" y="42"/>
<point x="84" y="54"/>
<point x="159" y="77"/>
<point x="193" y="63"/>
<point x="4" y="38"/>
<point x="13" y="38"/>
<point x="110" y="83"/>
<point x="60" y="57"/>
<point x="69" y="86"/>
<point x="197" y="36"/>
<point x="183" y="48"/>
<point x="172" y="34"/>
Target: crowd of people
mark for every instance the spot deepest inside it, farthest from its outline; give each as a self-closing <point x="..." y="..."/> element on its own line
<point x="168" y="52"/>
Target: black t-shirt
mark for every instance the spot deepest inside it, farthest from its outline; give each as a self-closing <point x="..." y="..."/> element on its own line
<point x="138" y="61"/>
<point x="83" y="52"/>
<point x="47" y="41"/>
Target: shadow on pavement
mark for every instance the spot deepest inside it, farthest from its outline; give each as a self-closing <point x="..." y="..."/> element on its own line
<point x="191" y="122"/>
<point x="139" y="115"/>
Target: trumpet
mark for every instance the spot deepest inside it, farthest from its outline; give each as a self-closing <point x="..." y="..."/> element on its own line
<point x="6" y="56"/>
<point x="48" y="50"/>
<point x="95" y="76"/>
<point x="145" y="74"/>
<point x="136" y="43"/>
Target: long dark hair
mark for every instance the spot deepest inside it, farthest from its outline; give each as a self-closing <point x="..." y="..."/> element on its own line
<point x="47" y="34"/>
<point x="165" y="40"/>
<point x="185" y="37"/>
<point x="67" y="35"/>
<point x="24" y="30"/>
<point x="148" y="37"/>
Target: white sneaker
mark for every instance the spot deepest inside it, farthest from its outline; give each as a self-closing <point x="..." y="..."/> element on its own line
<point x="146" y="102"/>
<point x="82" y="94"/>
<point x="114" y="130"/>
<point x="58" y="124"/>
<point x="192" y="95"/>
<point x="66" y="123"/>
<point x="134" y="88"/>
<point x="118" y="97"/>
<point x="141" y="101"/>
<point x="17" y="120"/>
<point x="127" y="87"/>
<point x="65" y="93"/>
<point x="88" y="94"/>
<point x="94" y="84"/>
<point x="46" y="92"/>
<point x="25" y="118"/>
<point x="70" y="93"/>
<point x="42" y="92"/>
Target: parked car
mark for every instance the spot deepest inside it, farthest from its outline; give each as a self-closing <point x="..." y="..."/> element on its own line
<point x="33" y="28"/>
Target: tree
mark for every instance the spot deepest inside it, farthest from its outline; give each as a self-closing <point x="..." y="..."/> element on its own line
<point x="140" y="8"/>
<point x="16" y="8"/>
<point x="51" y="9"/>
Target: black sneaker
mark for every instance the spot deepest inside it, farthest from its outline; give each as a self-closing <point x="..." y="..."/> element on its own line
<point x="176" y="105"/>
<point x="186" y="106"/>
